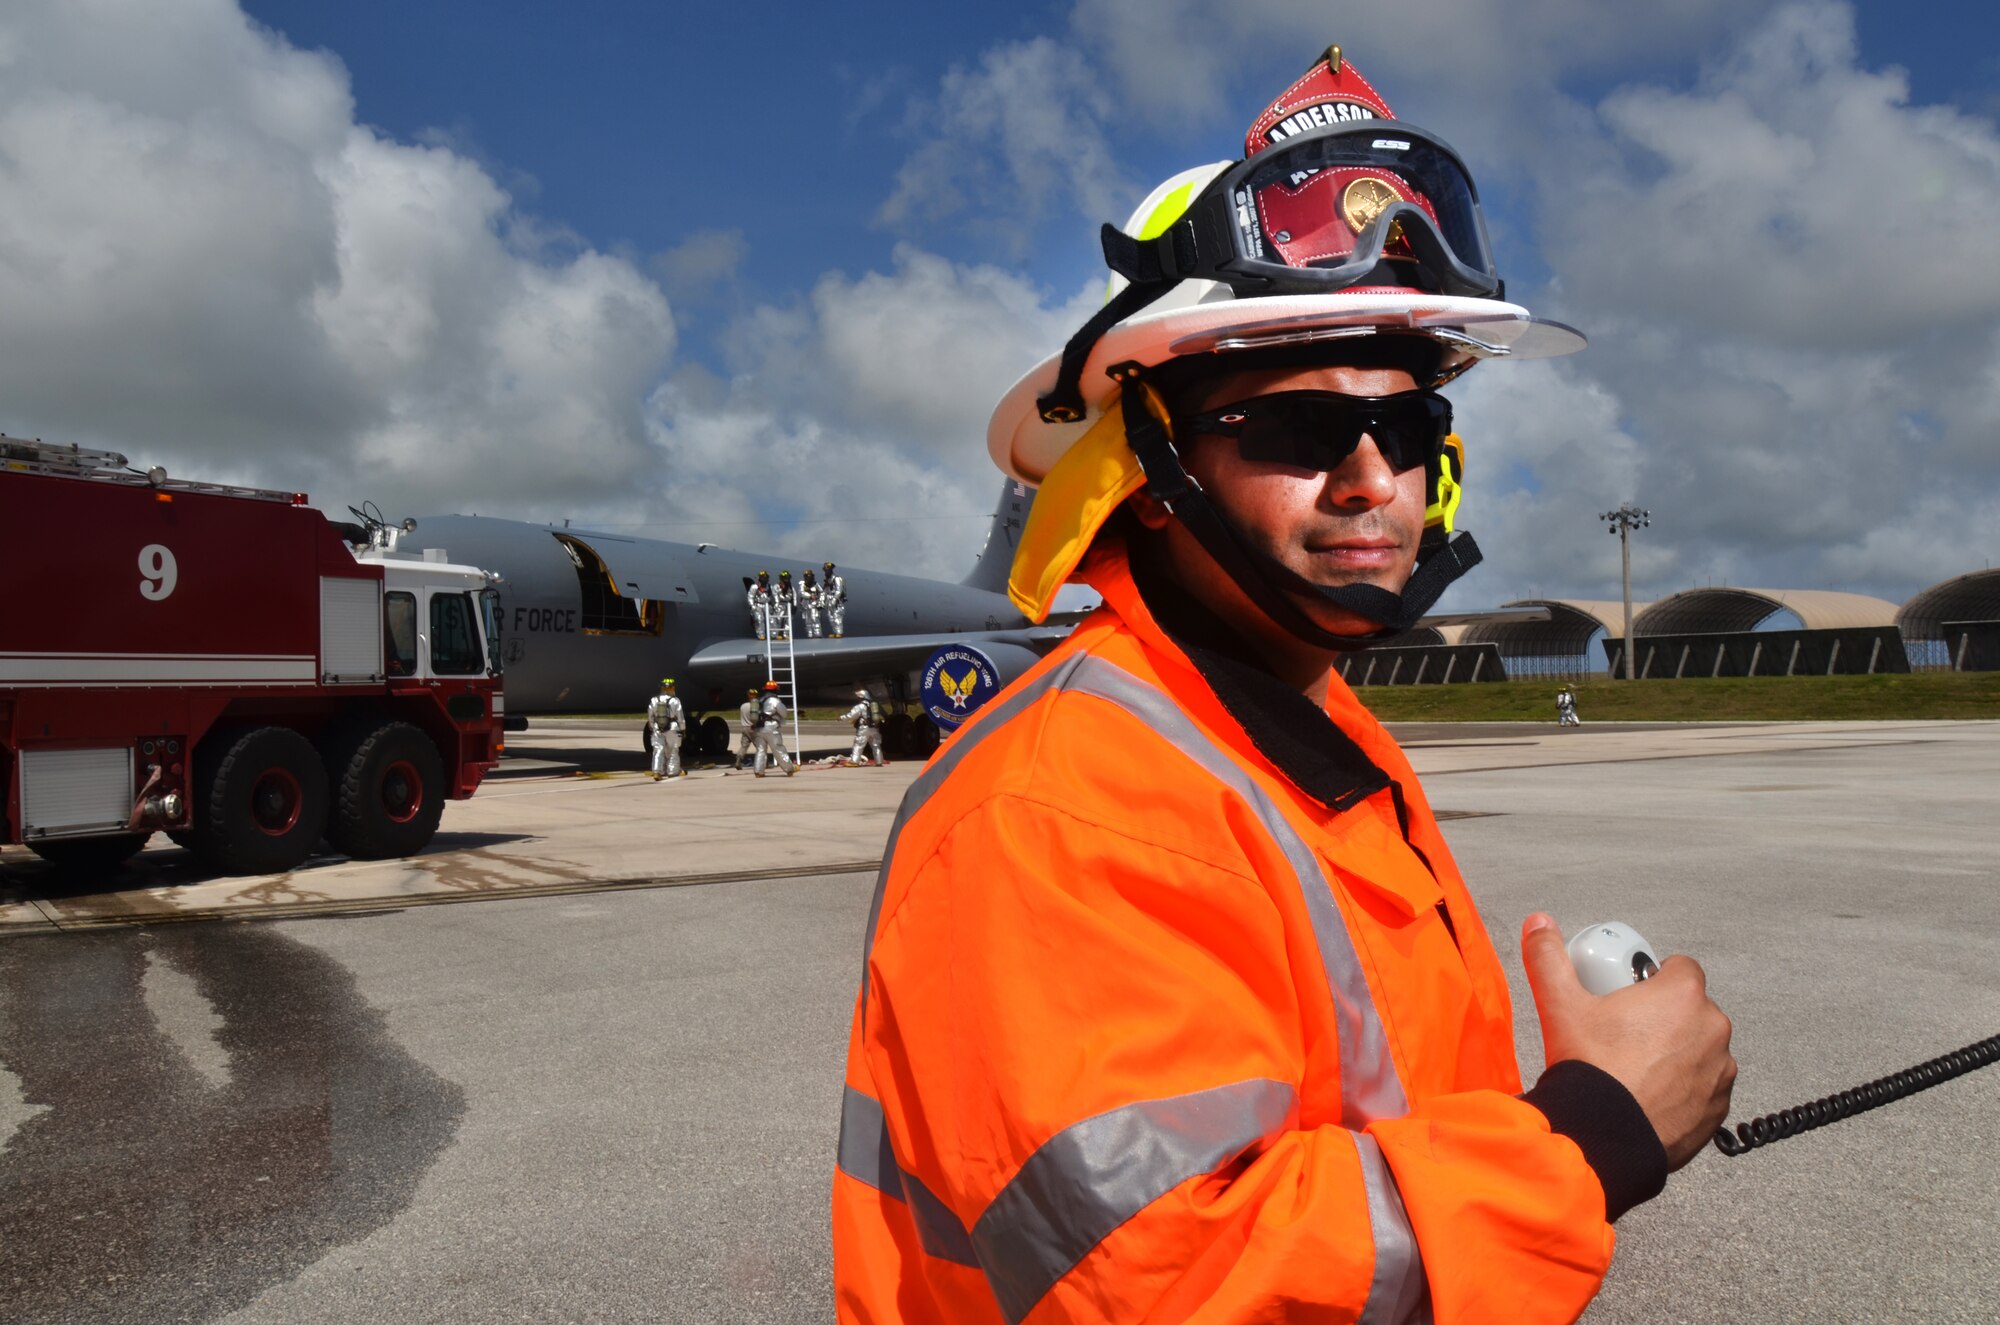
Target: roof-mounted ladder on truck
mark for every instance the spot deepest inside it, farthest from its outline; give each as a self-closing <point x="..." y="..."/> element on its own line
<point x="22" y="456"/>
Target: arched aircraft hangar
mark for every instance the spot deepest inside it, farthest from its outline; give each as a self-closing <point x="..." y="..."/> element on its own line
<point x="1955" y="623"/>
<point x="1559" y="646"/>
<point x="1712" y="611"/>
<point x="1726" y="632"/>
<point x="1722" y="631"/>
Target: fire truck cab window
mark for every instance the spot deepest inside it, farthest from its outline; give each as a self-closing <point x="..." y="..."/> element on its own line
<point x="489" y="617"/>
<point x="455" y="647"/>
<point x="399" y="614"/>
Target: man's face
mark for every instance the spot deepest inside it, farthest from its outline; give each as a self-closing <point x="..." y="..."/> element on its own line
<point x="1358" y="524"/>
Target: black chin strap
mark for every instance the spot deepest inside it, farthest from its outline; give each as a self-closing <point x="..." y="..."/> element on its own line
<point x="1439" y="562"/>
<point x="1150" y="268"/>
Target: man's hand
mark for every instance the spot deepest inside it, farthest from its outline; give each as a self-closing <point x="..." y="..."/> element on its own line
<point x="1664" y="1040"/>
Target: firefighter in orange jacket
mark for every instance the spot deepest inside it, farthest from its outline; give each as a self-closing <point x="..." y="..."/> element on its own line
<point x="1211" y="1029"/>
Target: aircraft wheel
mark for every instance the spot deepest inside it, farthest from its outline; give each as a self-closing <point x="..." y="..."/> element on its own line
<point x="260" y="800"/>
<point x="390" y="792"/>
<point x="714" y="737"/>
<point x="83" y="857"/>
<point x="646" y="738"/>
<point x="924" y="738"/>
<point x="897" y="733"/>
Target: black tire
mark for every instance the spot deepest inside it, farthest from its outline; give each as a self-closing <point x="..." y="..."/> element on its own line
<point x="182" y="838"/>
<point x="646" y="738"/>
<point x="90" y="857"/>
<point x="714" y="737"/>
<point x="260" y="801"/>
<point x="389" y="793"/>
<point x="896" y="734"/>
<point x="924" y="738"/>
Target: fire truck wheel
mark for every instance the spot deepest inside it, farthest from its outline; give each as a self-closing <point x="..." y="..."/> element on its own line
<point x="261" y="801"/>
<point x="389" y="793"/>
<point x="715" y="737"/>
<point x="84" y="856"/>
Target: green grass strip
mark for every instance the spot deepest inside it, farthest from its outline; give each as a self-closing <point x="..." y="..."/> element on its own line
<point x="1952" y="695"/>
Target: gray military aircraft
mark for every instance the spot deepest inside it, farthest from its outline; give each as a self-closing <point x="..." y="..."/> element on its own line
<point x="590" y="621"/>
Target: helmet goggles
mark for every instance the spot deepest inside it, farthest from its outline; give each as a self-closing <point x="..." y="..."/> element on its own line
<point x="1319" y="430"/>
<point x="1316" y="213"/>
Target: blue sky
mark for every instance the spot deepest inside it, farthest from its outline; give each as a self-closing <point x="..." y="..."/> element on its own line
<point x="758" y="274"/>
<point x="639" y="124"/>
<point x="627" y="122"/>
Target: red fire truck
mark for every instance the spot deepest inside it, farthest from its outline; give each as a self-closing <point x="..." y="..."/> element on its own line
<point x="225" y="665"/>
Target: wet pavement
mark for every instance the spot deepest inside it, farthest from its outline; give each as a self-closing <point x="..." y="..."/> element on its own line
<point x="200" y="1114"/>
<point x="605" y="1108"/>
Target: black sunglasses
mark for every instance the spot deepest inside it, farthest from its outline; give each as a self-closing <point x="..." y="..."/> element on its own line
<point x="1320" y="429"/>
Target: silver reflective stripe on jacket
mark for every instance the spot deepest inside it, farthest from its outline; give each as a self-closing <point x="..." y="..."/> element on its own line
<point x="1398" y="1294"/>
<point x="866" y="1157"/>
<point x="1087" y="1180"/>
<point x="1369" y="1086"/>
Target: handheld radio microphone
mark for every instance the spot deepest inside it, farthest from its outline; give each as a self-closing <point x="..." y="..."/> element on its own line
<point x="1614" y="956"/>
<point x="1610" y="956"/>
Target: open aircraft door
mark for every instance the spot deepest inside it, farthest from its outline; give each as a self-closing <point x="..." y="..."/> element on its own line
<point x="640" y="569"/>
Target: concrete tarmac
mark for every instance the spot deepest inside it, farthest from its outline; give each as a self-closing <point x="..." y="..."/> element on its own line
<point x="618" y="1102"/>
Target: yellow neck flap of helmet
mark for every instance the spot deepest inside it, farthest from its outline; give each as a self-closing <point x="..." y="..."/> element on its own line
<point x="1072" y="502"/>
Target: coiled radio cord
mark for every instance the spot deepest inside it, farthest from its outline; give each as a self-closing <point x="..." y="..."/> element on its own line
<point x="1860" y="1099"/>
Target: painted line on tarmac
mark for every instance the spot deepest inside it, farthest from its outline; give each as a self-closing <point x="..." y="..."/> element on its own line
<point x="1461" y="745"/>
<point x="384" y="905"/>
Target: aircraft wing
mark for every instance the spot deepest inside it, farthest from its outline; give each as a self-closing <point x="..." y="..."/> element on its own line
<point x="731" y="666"/>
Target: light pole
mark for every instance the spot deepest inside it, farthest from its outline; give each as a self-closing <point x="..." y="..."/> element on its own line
<point x="1623" y="521"/>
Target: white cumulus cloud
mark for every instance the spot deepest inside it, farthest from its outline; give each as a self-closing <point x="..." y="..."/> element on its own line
<point x="205" y="261"/>
<point x="859" y="413"/>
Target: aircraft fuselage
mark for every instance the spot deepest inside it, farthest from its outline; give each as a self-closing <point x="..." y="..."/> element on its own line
<point x="591" y="621"/>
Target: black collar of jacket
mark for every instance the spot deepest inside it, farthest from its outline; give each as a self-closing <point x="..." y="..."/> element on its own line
<point x="1291" y="731"/>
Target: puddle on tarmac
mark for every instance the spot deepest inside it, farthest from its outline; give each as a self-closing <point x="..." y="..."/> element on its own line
<point x="141" y="1185"/>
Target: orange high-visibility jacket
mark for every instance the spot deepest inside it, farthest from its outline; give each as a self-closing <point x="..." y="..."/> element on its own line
<point x="1147" y="1033"/>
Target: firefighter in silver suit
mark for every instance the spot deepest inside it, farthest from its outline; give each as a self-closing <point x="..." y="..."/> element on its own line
<point x="833" y="592"/>
<point x="866" y="718"/>
<point x="810" y="601"/>
<point x="669" y="723"/>
<point x="759" y="599"/>
<point x="771" y="732"/>
<point x="782" y="602"/>
<point x="746" y="730"/>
